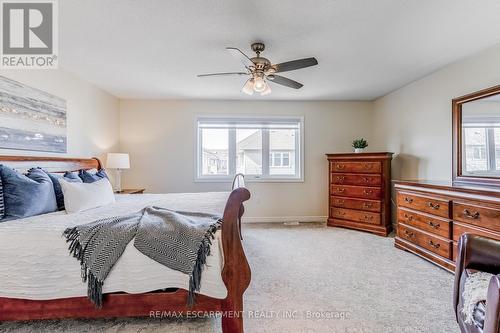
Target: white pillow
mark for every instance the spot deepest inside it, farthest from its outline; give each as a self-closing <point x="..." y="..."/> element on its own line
<point x="82" y="196"/>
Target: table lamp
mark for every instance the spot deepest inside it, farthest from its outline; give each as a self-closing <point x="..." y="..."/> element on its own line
<point x="118" y="161"/>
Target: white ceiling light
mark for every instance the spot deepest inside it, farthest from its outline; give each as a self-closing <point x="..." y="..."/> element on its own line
<point x="256" y="84"/>
<point x="267" y="91"/>
<point x="248" y="87"/>
<point x="259" y="85"/>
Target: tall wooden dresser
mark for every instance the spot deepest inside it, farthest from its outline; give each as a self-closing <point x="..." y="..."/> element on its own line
<point x="359" y="191"/>
<point x="432" y="216"/>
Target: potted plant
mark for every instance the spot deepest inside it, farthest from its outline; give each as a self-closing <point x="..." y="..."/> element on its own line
<point x="359" y="145"/>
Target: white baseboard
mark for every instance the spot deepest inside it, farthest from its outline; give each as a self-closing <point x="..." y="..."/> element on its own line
<point x="282" y="219"/>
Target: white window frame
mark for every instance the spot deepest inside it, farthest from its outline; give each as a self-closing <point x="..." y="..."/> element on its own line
<point x="265" y="177"/>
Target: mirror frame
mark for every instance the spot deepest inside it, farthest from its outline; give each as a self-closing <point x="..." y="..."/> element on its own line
<point x="457" y="103"/>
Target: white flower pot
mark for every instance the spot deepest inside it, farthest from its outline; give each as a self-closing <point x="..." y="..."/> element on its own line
<point x="359" y="150"/>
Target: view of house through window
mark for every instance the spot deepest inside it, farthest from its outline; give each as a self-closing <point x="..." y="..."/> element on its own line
<point x="481" y="137"/>
<point x="267" y="148"/>
<point x="249" y="151"/>
<point x="215" y="151"/>
<point x="282" y="152"/>
<point x="482" y="149"/>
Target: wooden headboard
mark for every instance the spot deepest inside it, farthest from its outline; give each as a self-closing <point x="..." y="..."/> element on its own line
<point x="52" y="164"/>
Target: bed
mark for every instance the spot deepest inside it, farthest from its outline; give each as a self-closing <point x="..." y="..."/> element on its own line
<point x="39" y="280"/>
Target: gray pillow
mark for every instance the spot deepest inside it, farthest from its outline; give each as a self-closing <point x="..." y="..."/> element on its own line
<point x="26" y="195"/>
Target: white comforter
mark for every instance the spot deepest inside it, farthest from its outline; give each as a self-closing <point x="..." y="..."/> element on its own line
<point x="35" y="262"/>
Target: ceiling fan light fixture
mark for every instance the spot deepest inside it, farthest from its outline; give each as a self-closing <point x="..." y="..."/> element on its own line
<point x="262" y="71"/>
<point x="259" y="84"/>
<point x="248" y="87"/>
<point x="267" y="91"/>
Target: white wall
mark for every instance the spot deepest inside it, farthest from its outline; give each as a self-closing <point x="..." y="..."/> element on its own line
<point x="92" y="114"/>
<point x="160" y="137"/>
<point x="415" y="121"/>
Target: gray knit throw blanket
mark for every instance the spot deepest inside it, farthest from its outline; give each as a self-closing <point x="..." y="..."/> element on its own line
<point x="178" y="240"/>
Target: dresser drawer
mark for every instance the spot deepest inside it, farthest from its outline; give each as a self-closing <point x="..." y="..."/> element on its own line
<point x="355" y="215"/>
<point x="355" y="179"/>
<point x="426" y="204"/>
<point x="369" y="205"/>
<point x="459" y="229"/>
<point x="485" y="217"/>
<point x="431" y="224"/>
<point x="434" y="244"/>
<point x="356" y="191"/>
<point x="359" y="167"/>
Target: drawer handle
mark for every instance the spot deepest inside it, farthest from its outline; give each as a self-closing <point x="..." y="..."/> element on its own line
<point x="434" y="245"/>
<point x="341" y="190"/>
<point x="367" y="205"/>
<point x="470" y="215"/>
<point x="409" y="234"/>
<point x="340" y="202"/>
<point x="408" y="217"/>
<point x="340" y="179"/>
<point x="367" y="192"/>
<point x="434" y="225"/>
<point x="433" y="205"/>
<point x="366" y="179"/>
<point x="367" y="166"/>
<point x="408" y="200"/>
<point x="339" y="166"/>
<point x="340" y="213"/>
<point x="368" y="218"/>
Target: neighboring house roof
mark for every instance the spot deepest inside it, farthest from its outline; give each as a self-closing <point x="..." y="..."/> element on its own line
<point x="280" y="140"/>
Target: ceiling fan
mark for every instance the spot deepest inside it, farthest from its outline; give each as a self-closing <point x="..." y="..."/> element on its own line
<point x="261" y="71"/>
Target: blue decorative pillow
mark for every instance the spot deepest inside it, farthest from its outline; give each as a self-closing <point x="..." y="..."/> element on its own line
<point x="71" y="177"/>
<point x="27" y="195"/>
<point x="88" y="177"/>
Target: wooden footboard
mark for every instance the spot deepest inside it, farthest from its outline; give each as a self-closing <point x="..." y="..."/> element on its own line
<point x="235" y="273"/>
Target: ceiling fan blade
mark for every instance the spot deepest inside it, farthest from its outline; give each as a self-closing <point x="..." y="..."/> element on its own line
<point x="245" y="60"/>
<point x="222" y="74"/>
<point x="284" y="81"/>
<point x="295" y="64"/>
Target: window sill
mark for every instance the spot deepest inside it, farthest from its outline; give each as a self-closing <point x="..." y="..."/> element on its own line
<point x="249" y="179"/>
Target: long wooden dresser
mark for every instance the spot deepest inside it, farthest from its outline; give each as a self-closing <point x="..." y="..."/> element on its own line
<point x="431" y="217"/>
<point x="359" y="191"/>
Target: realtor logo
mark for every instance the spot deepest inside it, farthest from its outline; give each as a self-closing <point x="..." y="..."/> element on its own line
<point x="29" y="34"/>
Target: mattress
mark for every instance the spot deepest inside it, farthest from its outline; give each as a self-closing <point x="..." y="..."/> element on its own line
<point x="35" y="262"/>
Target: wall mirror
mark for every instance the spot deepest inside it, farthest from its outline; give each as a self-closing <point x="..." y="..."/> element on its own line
<point x="476" y="137"/>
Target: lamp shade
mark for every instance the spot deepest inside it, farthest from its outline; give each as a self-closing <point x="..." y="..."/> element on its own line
<point x="118" y="161"/>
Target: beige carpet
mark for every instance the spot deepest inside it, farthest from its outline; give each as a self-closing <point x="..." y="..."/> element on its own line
<point x="311" y="278"/>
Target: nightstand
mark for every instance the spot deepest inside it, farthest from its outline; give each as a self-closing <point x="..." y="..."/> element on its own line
<point x="132" y="191"/>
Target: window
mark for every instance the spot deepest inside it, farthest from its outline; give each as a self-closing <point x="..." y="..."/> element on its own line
<point x="267" y="148"/>
<point x="279" y="159"/>
<point x="481" y="148"/>
<point x="215" y="151"/>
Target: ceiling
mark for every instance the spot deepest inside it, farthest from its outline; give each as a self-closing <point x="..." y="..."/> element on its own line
<point x="365" y="49"/>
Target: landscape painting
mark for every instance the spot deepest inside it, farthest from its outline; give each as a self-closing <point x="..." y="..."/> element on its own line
<point x="31" y="119"/>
